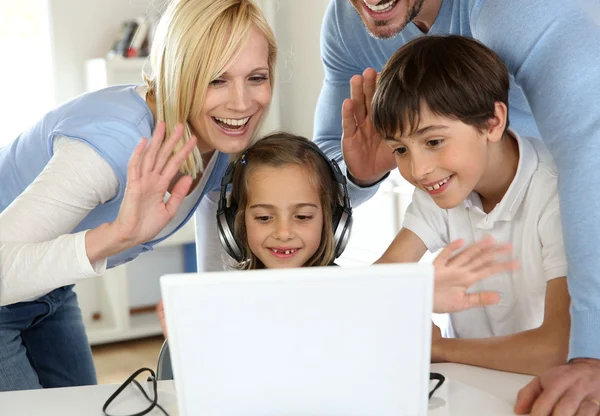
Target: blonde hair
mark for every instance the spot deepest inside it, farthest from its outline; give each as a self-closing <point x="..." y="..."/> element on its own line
<point x="193" y="43"/>
<point x="278" y="150"/>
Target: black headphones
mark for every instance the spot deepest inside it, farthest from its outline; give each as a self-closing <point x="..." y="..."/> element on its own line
<point x="342" y="214"/>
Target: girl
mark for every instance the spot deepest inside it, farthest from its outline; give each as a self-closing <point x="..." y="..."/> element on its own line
<point x="289" y="206"/>
<point x="71" y="205"/>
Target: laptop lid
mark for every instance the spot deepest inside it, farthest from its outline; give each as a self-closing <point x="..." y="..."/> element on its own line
<point x="309" y="341"/>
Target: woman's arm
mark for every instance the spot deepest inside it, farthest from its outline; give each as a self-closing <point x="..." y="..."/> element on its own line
<point x="142" y="215"/>
<point x="527" y="352"/>
<point x="37" y="251"/>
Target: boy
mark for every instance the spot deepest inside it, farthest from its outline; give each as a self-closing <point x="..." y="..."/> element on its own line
<point x="441" y="105"/>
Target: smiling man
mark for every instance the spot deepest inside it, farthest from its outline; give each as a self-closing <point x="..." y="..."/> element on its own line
<point x="550" y="50"/>
<point x="384" y="19"/>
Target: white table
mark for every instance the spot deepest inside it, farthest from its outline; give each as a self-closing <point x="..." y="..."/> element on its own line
<point x="475" y="391"/>
<point x="468" y="391"/>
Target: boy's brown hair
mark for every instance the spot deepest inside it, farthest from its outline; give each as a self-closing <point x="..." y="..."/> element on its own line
<point x="455" y="76"/>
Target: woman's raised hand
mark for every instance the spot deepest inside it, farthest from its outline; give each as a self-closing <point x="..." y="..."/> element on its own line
<point x="152" y="168"/>
<point x="455" y="273"/>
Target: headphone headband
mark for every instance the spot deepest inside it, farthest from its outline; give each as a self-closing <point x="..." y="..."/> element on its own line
<point x="342" y="213"/>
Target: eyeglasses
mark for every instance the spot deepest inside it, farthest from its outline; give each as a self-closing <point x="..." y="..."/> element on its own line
<point x="154" y="401"/>
<point x="131" y="379"/>
<point x="440" y="380"/>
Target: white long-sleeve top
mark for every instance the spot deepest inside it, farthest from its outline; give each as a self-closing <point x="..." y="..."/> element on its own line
<point x="37" y="252"/>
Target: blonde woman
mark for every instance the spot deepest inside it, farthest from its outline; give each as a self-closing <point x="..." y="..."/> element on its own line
<point x="81" y="193"/>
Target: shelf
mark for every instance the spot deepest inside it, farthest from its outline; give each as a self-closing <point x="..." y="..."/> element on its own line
<point x="126" y="63"/>
<point x="101" y="72"/>
<point x="140" y="326"/>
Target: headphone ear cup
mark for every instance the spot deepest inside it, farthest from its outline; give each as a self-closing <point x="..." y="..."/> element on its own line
<point x="337" y="215"/>
<point x="230" y="213"/>
<point x="226" y="228"/>
<point x="342" y="225"/>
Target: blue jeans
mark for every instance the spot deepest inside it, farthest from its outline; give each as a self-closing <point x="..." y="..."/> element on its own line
<point x="43" y="344"/>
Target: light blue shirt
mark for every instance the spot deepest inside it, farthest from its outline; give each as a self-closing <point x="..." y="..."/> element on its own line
<point x="112" y="121"/>
<point x="551" y="50"/>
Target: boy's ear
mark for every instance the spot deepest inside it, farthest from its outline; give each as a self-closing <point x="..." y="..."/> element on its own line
<point x="497" y="124"/>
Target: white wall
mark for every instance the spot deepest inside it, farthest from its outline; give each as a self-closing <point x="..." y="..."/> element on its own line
<point x="297" y="26"/>
<point x="84" y="29"/>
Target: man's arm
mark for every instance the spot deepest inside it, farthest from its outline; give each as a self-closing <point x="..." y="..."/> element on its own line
<point x="528" y="352"/>
<point x="339" y="68"/>
<point x="552" y="51"/>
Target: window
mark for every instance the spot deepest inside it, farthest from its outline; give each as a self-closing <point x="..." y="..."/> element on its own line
<point x="26" y="69"/>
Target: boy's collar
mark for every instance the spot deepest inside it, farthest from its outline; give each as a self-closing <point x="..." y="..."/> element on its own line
<point x="508" y="206"/>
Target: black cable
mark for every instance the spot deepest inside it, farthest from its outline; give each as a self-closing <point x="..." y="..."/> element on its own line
<point x="440" y="378"/>
<point x="154" y="402"/>
<point x="151" y="378"/>
<point x="131" y="379"/>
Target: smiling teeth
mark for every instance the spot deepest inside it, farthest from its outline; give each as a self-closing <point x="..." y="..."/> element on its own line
<point x="381" y="8"/>
<point x="437" y="185"/>
<point x="232" y="121"/>
<point x="284" y="251"/>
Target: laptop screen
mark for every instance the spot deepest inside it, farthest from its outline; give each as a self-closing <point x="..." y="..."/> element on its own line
<point x="309" y="341"/>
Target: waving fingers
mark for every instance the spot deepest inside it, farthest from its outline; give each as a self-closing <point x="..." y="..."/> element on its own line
<point x="473" y="300"/>
<point x="488" y="256"/>
<point x="357" y="94"/>
<point x="348" y="120"/>
<point x="369" y="83"/>
<point x="448" y="252"/>
<point x="153" y="148"/>
<point x="472" y="252"/>
<point x="179" y="192"/>
<point x="135" y="162"/>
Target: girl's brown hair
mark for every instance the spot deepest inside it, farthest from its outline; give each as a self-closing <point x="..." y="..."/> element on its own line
<point x="278" y="150"/>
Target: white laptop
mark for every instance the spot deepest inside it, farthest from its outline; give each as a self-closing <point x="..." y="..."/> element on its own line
<point x="326" y="341"/>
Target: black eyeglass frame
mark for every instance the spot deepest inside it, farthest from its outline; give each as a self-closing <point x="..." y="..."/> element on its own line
<point x="440" y="380"/>
<point x="154" y="402"/>
<point x="131" y="379"/>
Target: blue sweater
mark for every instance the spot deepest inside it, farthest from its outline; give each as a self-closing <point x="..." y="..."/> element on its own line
<point x="551" y="50"/>
<point x="112" y="121"/>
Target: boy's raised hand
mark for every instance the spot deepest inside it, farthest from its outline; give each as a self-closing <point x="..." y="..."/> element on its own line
<point x="368" y="158"/>
<point x="455" y="273"/>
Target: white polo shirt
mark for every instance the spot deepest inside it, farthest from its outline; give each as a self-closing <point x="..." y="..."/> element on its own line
<point x="528" y="217"/>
